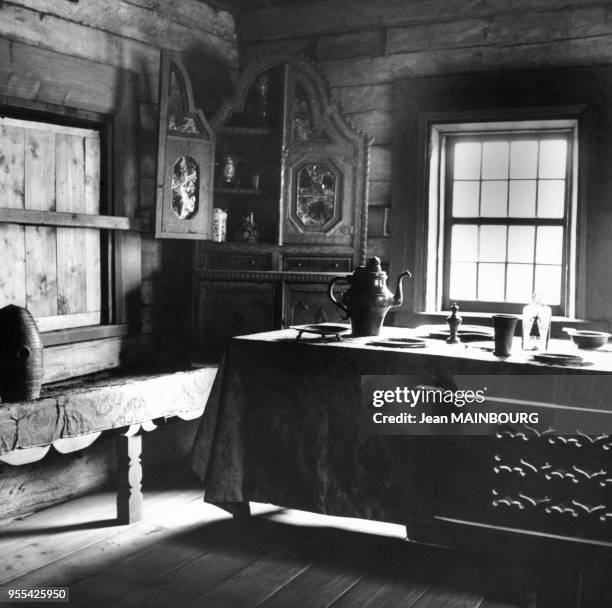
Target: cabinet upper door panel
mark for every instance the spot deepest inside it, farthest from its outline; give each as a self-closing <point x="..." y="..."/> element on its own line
<point x="185" y="158"/>
<point x="324" y="167"/>
<point x="318" y="199"/>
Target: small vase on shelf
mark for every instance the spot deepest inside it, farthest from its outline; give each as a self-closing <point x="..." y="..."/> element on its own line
<point x="536" y="324"/>
<point x="248" y="230"/>
<point x="228" y="171"/>
<point x="219" y="225"/>
<point x="262" y="87"/>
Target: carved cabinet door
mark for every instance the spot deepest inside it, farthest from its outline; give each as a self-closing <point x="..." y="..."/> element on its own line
<point x="185" y="158"/>
<point x="323" y="168"/>
<point x="231" y="308"/>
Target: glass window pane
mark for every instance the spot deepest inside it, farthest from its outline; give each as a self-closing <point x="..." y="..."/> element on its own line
<point x="553" y="154"/>
<point x="524" y="159"/>
<point x="495" y="159"/>
<point x="467" y="161"/>
<point x="465" y="199"/>
<point x="492" y="244"/>
<point x="522" y="176"/>
<point x="491" y="282"/>
<point x="548" y="283"/>
<point x="464" y="244"/>
<point x="549" y="249"/>
<point x="551" y="198"/>
<point x="494" y="199"/>
<point x="520" y="243"/>
<point x="462" y="281"/>
<point x="522" y="198"/>
<point x="519" y="283"/>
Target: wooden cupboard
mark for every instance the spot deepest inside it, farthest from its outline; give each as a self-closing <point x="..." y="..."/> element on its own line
<point x="291" y="181"/>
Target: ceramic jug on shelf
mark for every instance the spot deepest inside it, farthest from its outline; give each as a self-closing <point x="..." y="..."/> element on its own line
<point x="367" y="301"/>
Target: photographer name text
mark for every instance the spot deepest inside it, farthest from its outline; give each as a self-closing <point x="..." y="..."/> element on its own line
<point x="422" y="396"/>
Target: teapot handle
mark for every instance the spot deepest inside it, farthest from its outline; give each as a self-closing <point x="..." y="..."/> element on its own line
<point x="330" y="294"/>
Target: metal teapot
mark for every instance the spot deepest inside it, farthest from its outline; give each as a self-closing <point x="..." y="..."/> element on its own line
<point x="367" y="301"/>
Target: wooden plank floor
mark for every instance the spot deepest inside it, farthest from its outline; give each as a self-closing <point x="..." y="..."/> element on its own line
<point x="189" y="554"/>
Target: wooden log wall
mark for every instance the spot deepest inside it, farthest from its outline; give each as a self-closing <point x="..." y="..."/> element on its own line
<point x="103" y="57"/>
<point x="86" y="55"/>
<point x="363" y="46"/>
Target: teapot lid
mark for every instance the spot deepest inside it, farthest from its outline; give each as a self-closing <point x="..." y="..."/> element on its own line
<point x="372" y="267"/>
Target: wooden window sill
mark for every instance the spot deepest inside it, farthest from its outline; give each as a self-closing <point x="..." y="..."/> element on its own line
<point x="81" y="334"/>
<point x="485" y="318"/>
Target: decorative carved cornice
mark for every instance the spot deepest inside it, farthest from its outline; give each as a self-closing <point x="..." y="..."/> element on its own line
<point x="272" y="58"/>
<point x="265" y="275"/>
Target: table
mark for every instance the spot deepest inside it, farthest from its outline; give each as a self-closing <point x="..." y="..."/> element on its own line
<point x="281" y="427"/>
<point x="71" y="415"/>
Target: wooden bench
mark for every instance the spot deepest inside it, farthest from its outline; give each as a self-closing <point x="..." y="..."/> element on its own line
<point x="70" y="416"/>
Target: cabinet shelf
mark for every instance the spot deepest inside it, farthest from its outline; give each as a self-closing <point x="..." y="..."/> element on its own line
<point x="241" y="191"/>
<point x="263" y="131"/>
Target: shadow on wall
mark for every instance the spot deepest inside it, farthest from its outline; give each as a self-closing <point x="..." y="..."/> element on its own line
<point x="212" y="80"/>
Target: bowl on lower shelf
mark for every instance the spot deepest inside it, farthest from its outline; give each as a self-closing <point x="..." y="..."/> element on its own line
<point x="587" y="339"/>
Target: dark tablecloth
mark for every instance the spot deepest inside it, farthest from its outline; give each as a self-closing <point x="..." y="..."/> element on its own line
<point x="282" y="426"/>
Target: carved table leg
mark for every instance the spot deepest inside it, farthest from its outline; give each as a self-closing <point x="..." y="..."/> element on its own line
<point x="129" y="478"/>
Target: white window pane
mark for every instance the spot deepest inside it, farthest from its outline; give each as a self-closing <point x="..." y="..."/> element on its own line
<point x="553" y="155"/>
<point x="467" y="161"/>
<point x="462" y="281"/>
<point x="520" y="243"/>
<point x="548" y="283"/>
<point x="465" y="199"/>
<point x="495" y="159"/>
<point x="464" y="244"/>
<point x="551" y="198"/>
<point x="519" y="283"/>
<point x="549" y="249"/>
<point x="494" y="199"/>
<point x="492" y="244"/>
<point x="491" y="282"/>
<point x="522" y="198"/>
<point x="524" y="159"/>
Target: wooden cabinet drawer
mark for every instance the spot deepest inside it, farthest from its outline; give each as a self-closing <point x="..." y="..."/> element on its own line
<point x="309" y="263"/>
<point x="238" y="261"/>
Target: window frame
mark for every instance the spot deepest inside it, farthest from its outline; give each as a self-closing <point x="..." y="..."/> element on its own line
<point x="120" y="234"/>
<point x="437" y="238"/>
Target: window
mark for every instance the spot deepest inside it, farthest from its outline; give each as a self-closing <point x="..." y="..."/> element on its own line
<point x="53" y="270"/>
<point x="504" y="211"/>
<point x="76" y="269"/>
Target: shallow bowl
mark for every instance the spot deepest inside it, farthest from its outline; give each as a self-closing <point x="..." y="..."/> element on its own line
<point x="587" y="339"/>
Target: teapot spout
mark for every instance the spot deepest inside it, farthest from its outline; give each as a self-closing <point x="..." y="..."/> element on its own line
<point x="399" y="292"/>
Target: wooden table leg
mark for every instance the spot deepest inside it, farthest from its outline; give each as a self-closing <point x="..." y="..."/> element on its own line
<point x="129" y="479"/>
<point x="240" y="511"/>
